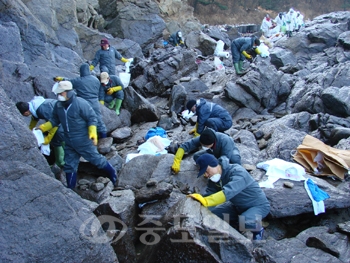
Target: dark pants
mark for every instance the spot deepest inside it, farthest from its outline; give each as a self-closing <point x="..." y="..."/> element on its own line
<point x="232" y="212"/>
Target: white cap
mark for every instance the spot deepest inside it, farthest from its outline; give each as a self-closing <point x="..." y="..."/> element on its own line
<point x="104" y="77"/>
<point x="62" y="86"/>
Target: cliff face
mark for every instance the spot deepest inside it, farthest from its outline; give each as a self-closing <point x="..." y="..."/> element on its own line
<point x="252" y="11"/>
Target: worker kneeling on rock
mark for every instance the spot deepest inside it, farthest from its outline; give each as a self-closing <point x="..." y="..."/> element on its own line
<point x="232" y="191"/>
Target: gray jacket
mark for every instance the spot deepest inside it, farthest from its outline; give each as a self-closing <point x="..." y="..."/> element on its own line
<point x="223" y="146"/>
<point x="86" y="86"/>
<point x="238" y="185"/>
<point x="106" y="58"/>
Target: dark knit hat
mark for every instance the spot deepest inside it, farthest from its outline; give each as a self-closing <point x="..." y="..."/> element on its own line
<point x="207" y="137"/>
<point x="190" y="104"/>
<point x="204" y="161"/>
<point x="22" y="107"/>
<point x="104" y="41"/>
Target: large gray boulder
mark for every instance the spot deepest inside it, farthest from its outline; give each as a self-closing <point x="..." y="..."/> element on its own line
<point x="44" y="216"/>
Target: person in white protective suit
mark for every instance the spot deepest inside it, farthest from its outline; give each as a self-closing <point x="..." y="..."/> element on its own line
<point x="290" y="22"/>
<point x="299" y="21"/>
<point x="280" y="20"/>
<point x="269" y="27"/>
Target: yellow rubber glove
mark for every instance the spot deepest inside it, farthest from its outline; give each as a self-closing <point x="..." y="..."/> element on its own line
<point x="33" y="123"/>
<point x="49" y="137"/>
<point x="111" y="90"/>
<point x="93" y="134"/>
<point x="211" y="200"/>
<point x="91" y="67"/>
<point x="246" y="55"/>
<point x="102" y="102"/>
<point x="257" y="51"/>
<point x="58" y="78"/>
<point x="177" y="160"/>
<point x="124" y="60"/>
<point x="194" y="131"/>
<point x="181" y="42"/>
<point x="45" y="126"/>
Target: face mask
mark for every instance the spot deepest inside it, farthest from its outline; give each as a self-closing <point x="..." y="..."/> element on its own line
<point x="105" y="83"/>
<point x="61" y="98"/>
<point x="215" y="178"/>
<point x="205" y="148"/>
<point x="180" y="35"/>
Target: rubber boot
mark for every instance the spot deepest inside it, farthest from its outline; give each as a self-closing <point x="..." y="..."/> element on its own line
<point x="71" y="180"/>
<point x="111" y="173"/>
<point x="240" y="66"/>
<point x="59" y="156"/>
<point x="118" y="103"/>
<point x="238" y="72"/>
<point x="111" y="105"/>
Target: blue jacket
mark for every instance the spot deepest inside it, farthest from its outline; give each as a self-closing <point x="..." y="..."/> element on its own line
<point x="43" y="110"/>
<point x="106" y="58"/>
<point x="86" y="86"/>
<point x="75" y="119"/>
<point x="207" y="110"/>
<point x="113" y="82"/>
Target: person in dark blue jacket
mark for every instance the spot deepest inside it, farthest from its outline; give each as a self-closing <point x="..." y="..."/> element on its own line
<point x="111" y="91"/>
<point x="176" y="39"/>
<point x="232" y="191"/>
<point x="106" y="57"/>
<point x="87" y="86"/>
<point x="239" y="48"/>
<point x="209" y="115"/>
<point x="41" y="109"/>
<point x="79" y="122"/>
<point x="216" y="143"/>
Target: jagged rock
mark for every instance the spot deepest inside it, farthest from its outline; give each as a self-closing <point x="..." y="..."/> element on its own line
<point x="150" y="193"/>
<point x="118" y="215"/>
<point x="190" y="227"/>
<point x="104" y="145"/>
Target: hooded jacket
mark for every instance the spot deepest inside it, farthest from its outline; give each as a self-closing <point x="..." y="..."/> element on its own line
<point x="41" y="108"/>
<point x="206" y="110"/>
<point x="86" y="86"/>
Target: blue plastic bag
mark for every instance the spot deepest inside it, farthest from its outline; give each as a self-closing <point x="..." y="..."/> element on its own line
<point x="155" y="131"/>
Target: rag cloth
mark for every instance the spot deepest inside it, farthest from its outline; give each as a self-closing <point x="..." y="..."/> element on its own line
<point x="45" y="149"/>
<point x="316" y="195"/>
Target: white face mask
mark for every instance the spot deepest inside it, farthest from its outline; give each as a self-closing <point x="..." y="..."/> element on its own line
<point x="105" y="83"/>
<point x="205" y="148"/>
<point x="61" y="98"/>
<point x="215" y="178"/>
<point x="180" y="34"/>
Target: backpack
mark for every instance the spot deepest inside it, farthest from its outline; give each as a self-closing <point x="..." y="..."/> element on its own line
<point x="155" y="131"/>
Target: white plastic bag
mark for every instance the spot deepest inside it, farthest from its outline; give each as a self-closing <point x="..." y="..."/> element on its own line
<point x="280" y="169"/>
<point x="264" y="50"/>
<point x="125" y="78"/>
<point x="218" y="63"/>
